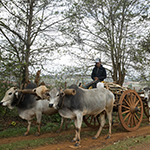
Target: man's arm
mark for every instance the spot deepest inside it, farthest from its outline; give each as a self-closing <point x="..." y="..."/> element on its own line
<point x="92" y="75"/>
<point x="103" y="76"/>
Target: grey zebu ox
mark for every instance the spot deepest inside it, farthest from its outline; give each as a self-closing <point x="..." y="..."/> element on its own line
<point x="27" y="105"/>
<point x="85" y="101"/>
<point x="147" y="98"/>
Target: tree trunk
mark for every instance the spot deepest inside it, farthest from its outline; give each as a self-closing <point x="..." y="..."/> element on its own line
<point x="25" y="78"/>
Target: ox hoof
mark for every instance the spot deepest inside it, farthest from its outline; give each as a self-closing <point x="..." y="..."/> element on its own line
<point x="94" y="138"/>
<point x="58" y="131"/>
<point x="25" y="134"/>
<point x="76" y="145"/>
<point x="37" y="134"/>
<point x="108" y="137"/>
<point x="72" y="141"/>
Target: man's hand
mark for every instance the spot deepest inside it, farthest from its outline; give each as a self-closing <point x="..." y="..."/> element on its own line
<point x="96" y="78"/>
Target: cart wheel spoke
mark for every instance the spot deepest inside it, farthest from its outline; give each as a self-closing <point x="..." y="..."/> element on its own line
<point x="91" y="119"/>
<point x="128" y="122"/>
<point x="134" y="99"/>
<point x="137" y="103"/>
<point x="125" y="112"/>
<point x="134" y="120"/>
<point x="137" y="117"/>
<point x="129" y="99"/>
<point x="131" y="121"/>
<point x="88" y="117"/>
<point x="125" y="107"/>
<point x="126" y="117"/>
<point x="126" y="102"/>
<point x="139" y="113"/>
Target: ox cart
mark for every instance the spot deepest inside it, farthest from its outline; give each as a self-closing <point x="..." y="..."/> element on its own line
<point x="129" y="105"/>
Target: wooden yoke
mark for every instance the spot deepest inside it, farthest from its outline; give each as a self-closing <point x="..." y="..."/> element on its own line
<point x="70" y="92"/>
<point x="27" y="91"/>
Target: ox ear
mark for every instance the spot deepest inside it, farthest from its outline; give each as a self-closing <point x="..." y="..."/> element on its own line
<point x="17" y="94"/>
<point x="46" y="95"/>
<point x="62" y="94"/>
<point x="34" y="90"/>
<point x="15" y="88"/>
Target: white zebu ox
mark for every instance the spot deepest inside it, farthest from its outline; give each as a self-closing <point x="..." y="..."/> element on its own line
<point x="85" y="101"/>
<point x="147" y="98"/>
<point x="27" y="104"/>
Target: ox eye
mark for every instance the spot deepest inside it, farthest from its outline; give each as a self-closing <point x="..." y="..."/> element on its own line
<point x="9" y="93"/>
<point x="57" y="95"/>
<point x="47" y="94"/>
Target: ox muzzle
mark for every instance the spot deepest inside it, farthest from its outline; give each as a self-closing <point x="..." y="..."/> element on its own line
<point x="50" y="105"/>
<point x="145" y="98"/>
<point x="1" y="103"/>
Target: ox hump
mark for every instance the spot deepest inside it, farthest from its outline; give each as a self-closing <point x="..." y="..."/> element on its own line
<point x="100" y="85"/>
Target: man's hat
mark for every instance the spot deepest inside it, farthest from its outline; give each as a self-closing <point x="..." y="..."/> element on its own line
<point x="97" y="60"/>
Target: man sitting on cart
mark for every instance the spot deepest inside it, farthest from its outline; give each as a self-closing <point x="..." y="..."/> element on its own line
<point x="98" y="74"/>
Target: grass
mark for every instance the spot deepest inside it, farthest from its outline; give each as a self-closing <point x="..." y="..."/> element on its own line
<point x="126" y="144"/>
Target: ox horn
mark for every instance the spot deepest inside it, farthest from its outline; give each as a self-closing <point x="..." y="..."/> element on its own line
<point x="70" y="92"/>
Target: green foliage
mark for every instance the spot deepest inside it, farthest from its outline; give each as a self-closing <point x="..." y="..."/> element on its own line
<point x="56" y="118"/>
<point x="11" y="132"/>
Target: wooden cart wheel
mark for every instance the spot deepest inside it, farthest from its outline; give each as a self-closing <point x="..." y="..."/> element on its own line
<point x="91" y="121"/>
<point x="130" y="110"/>
<point x="146" y="110"/>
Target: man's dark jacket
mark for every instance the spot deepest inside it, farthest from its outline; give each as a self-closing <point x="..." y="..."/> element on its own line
<point x="99" y="72"/>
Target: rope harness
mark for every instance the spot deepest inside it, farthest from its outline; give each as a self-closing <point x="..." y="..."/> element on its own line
<point x="21" y="97"/>
<point x="61" y="103"/>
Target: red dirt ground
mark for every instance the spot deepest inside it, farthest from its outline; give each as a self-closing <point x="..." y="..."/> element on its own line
<point x="86" y="143"/>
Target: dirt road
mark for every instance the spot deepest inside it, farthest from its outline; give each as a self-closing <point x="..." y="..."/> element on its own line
<point x="86" y="143"/>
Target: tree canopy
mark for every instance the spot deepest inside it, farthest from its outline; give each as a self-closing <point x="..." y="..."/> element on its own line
<point x="107" y="29"/>
<point x="33" y="31"/>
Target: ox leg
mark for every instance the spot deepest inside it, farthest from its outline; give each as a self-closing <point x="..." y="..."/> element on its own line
<point x="78" y="123"/>
<point x="39" y="117"/>
<point x="62" y="121"/>
<point x="149" y="116"/>
<point x="28" y="128"/>
<point x="75" y="138"/>
<point x="102" y="117"/>
<point x="148" y="103"/>
<point x="109" y="116"/>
